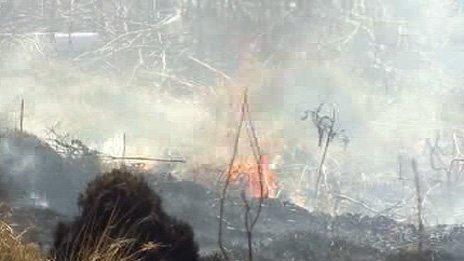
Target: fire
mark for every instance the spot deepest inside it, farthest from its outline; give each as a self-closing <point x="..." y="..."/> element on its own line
<point x="246" y="174"/>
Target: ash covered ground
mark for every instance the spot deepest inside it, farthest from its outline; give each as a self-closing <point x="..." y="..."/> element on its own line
<point x="285" y="231"/>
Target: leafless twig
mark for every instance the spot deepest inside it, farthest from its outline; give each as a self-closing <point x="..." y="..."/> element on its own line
<point x="228" y="179"/>
<point x="418" y="205"/>
<point x="249" y="221"/>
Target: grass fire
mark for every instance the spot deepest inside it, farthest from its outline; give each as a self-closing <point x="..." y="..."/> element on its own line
<point x="229" y="130"/>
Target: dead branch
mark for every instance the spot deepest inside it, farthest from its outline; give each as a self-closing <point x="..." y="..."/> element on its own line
<point x="325" y="128"/>
<point x="418" y="206"/>
<point x="143" y="159"/>
<point x="219" y="72"/>
<point x="228" y="177"/>
<point x="257" y="152"/>
<point x="68" y="147"/>
<point x="249" y="221"/>
<point x="449" y="163"/>
<point x="357" y="202"/>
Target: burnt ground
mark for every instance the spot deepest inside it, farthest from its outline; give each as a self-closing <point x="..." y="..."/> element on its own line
<point x="284" y="231"/>
<point x="288" y="232"/>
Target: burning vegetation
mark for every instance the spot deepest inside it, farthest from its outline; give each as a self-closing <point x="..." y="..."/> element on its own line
<point x="197" y="100"/>
<point x="122" y="218"/>
<point x="245" y="174"/>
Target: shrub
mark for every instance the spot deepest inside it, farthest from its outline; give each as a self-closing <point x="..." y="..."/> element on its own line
<point x="121" y="218"/>
<point x="408" y="254"/>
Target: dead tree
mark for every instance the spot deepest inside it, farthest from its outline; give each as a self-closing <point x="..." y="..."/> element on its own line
<point x="249" y="220"/>
<point x="327" y="132"/>
<point x="448" y="162"/>
<point x="451" y="163"/>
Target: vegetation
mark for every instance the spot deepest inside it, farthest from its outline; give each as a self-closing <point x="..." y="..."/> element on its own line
<point x="122" y="219"/>
<point x="13" y="249"/>
<point x="170" y="74"/>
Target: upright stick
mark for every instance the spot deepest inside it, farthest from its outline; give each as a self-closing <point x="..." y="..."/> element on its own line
<point x="123" y="148"/>
<point x="419" y="206"/>
<point x="21" y="116"/>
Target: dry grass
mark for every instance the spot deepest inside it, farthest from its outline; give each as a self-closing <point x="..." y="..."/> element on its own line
<point x="106" y="232"/>
<point x="122" y="218"/>
<point x="104" y="249"/>
<point x="12" y="249"/>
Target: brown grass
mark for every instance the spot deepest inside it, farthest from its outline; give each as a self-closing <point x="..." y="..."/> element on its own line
<point x="12" y="249"/>
<point x="104" y="249"/>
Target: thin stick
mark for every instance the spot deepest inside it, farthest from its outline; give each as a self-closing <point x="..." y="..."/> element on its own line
<point x="254" y="144"/>
<point x="249" y="232"/>
<point x="251" y="222"/>
<point x="258" y="157"/>
<point x="324" y="154"/>
<point x="363" y="204"/>
<point x="418" y="206"/>
<point x="227" y="181"/>
<point x="143" y="159"/>
<point x="221" y="73"/>
<point x="123" y="147"/>
<point x="21" y="117"/>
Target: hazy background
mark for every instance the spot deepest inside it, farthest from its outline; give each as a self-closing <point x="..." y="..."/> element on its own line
<point x="393" y="70"/>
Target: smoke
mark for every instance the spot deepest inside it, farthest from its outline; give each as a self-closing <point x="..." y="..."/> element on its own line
<point x="98" y="111"/>
<point x="390" y="96"/>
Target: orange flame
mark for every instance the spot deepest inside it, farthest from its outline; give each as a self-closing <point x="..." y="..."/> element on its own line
<point x="246" y="173"/>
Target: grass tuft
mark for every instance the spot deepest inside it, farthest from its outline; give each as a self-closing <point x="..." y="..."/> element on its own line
<point x="12" y="249"/>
